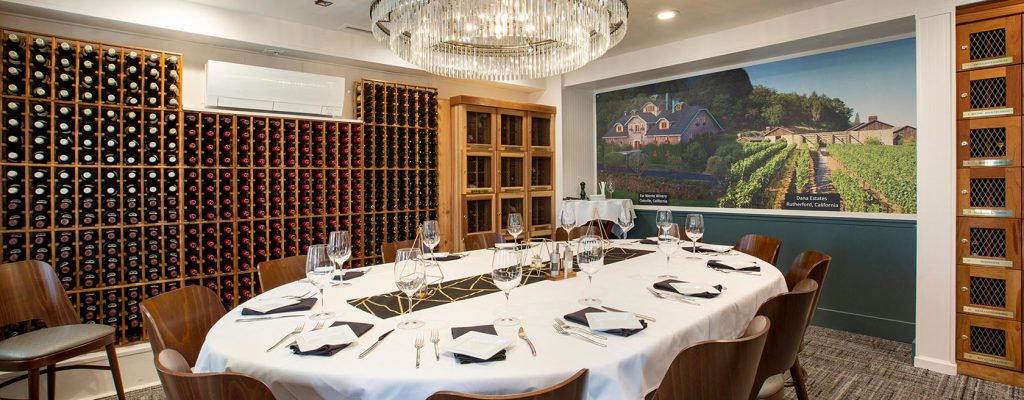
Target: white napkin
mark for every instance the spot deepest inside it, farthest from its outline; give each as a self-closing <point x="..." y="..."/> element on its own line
<point x="269" y="304"/>
<point x="606" y="321"/>
<point x="721" y="248"/>
<point x="333" y="336"/>
<point x="690" y="288"/>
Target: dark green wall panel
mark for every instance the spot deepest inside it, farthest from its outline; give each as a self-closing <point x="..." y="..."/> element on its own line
<point x="870" y="288"/>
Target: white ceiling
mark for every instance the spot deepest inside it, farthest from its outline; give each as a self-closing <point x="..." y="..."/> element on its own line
<point x="696" y="17"/>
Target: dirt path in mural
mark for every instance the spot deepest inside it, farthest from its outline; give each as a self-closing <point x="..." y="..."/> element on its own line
<point x="822" y="182"/>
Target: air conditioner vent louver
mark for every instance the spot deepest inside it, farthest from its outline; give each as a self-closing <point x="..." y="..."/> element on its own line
<point x="248" y="87"/>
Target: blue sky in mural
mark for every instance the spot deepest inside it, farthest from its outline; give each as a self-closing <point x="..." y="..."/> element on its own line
<point x="875" y="80"/>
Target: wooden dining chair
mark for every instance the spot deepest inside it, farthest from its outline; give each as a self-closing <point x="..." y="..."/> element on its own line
<point x="180" y="319"/>
<point x="576" y="232"/>
<point x="764" y="247"/>
<point x="808" y="265"/>
<point x="480" y="241"/>
<point x="788" y="313"/>
<point x="574" y="388"/>
<point x="31" y="291"/>
<point x="274" y="273"/>
<point x="716" y="369"/>
<point x="388" y="250"/>
<point x="179" y="383"/>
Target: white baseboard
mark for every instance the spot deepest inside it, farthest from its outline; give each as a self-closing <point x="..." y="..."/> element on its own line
<point x="934" y="364"/>
<point x="137" y="372"/>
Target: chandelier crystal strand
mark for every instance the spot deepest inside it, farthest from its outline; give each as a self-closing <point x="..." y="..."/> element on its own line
<point x="499" y="39"/>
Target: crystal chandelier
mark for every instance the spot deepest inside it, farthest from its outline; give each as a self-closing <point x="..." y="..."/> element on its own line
<point x="499" y="39"/>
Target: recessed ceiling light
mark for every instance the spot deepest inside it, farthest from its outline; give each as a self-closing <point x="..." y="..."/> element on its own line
<point x="323" y="3"/>
<point x="667" y="14"/>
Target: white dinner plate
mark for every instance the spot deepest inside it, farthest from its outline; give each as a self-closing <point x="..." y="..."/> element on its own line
<point x="690" y="288"/>
<point x="718" y="248"/>
<point x="606" y="321"/>
<point x="504" y="245"/>
<point x="439" y="254"/>
<point x="478" y="345"/>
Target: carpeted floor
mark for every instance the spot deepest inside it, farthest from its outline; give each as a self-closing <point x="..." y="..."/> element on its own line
<point x="843" y="365"/>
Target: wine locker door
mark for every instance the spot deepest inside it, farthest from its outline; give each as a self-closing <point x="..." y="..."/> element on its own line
<point x="989" y="92"/>
<point x="989" y="341"/>
<point x="989" y="142"/>
<point x="988" y="43"/>
<point x="987" y="291"/>
<point x="990" y="242"/>
<point x="988" y="192"/>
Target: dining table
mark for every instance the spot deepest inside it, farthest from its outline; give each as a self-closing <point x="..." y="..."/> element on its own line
<point x="625" y="368"/>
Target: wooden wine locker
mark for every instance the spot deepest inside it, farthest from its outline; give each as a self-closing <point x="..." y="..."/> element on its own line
<point x="988" y="104"/>
<point x="502" y="158"/>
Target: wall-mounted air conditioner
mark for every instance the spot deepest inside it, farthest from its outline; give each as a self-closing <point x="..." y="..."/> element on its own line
<point x="249" y="87"/>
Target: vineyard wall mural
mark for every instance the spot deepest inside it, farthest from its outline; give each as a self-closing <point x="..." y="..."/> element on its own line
<point x="833" y="131"/>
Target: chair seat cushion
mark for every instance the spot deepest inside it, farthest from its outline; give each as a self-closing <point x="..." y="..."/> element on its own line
<point x="771" y="386"/>
<point x="48" y="341"/>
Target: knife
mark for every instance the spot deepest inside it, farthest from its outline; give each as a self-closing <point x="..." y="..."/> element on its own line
<point x="266" y="318"/>
<point x="374" y="345"/>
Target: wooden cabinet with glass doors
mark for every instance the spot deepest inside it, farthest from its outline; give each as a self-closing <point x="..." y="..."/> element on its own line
<point x="503" y="160"/>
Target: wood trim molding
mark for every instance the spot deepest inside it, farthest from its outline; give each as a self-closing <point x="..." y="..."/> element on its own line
<point x="986" y="10"/>
<point x="481" y="101"/>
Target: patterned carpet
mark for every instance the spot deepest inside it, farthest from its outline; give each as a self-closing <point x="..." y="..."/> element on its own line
<point x="842" y="365"/>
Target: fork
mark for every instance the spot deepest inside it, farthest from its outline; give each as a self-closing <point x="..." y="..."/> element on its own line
<point x="563" y="331"/>
<point x="436" y="338"/>
<point x="296" y="331"/>
<point x="565" y="325"/>
<point x="668" y="297"/>
<point x="419" y="345"/>
<point x="302" y="296"/>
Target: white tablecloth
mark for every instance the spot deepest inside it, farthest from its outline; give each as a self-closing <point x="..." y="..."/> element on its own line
<point x="627" y="369"/>
<point x="608" y="210"/>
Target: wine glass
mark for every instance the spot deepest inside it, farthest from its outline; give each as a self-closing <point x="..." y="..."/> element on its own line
<point x="410" y="274"/>
<point x="610" y="187"/>
<point x="431" y="235"/>
<point x="515" y="225"/>
<point x="590" y="258"/>
<point x="664" y="219"/>
<point x="626" y="222"/>
<point x="567" y="220"/>
<point x="668" y="243"/>
<point x="339" y="249"/>
<point x="507" y="272"/>
<point x="319" y="270"/>
<point x="694" y="227"/>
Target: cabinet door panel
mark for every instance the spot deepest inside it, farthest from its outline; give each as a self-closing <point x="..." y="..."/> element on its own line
<point x="989" y="92"/>
<point x="988" y="192"/>
<point x="988" y="43"/>
<point x="988" y="341"/>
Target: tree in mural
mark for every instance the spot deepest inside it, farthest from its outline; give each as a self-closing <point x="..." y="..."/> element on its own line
<point x="637" y="162"/>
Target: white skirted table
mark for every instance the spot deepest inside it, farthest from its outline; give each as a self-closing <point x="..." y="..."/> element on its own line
<point x="613" y="210"/>
<point x="627" y="369"/>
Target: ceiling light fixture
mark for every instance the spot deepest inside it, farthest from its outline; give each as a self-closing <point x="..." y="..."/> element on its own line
<point x="499" y="40"/>
<point x="323" y="3"/>
<point x="667" y="14"/>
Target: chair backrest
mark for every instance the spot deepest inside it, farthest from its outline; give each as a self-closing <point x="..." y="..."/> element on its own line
<point x="30" y="290"/>
<point x="763" y="247"/>
<point x="179" y="383"/>
<point x="717" y="369"/>
<point x="788" y="313"/>
<point x="274" y="273"/>
<point x="574" y="388"/>
<point x="388" y="250"/>
<point x="480" y="241"/>
<point x="809" y="265"/>
<point x="576" y="232"/>
<point x="180" y="320"/>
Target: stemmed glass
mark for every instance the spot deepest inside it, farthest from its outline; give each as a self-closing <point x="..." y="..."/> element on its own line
<point x="664" y="219"/>
<point x="590" y="259"/>
<point x="567" y="221"/>
<point x="668" y="243"/>
<point x="319" y="270"/>
<point x="410" y="275"/>
<point x="431" y="235"/>
<point x="610" y="187"/>
<point x="507" y="272"/>
<point x="339" y="249"/>
<point x="515" y="225"/>
<point x="694" y="226"/>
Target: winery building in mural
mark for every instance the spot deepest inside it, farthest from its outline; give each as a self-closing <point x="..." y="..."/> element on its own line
<point x="862" y="133"/>
<point x="662" y="121"/>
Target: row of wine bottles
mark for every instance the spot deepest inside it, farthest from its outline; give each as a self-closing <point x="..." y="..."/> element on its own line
<point x="45" y="67"/>
<point x="395" y="104"/>
<point x="215" y="139"/>
<point x="396" y="147"/>
<point x="87" y="135"/>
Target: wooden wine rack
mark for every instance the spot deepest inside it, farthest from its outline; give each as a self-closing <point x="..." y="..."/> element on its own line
<point x="190" y="197"/>
<point x="400" y="160"/>
<point x="988" y="216"/>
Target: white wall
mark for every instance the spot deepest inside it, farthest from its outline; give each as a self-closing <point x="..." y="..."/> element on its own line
<point x="790" y="35"/>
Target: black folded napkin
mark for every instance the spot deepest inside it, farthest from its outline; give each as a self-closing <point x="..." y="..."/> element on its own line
<point x="449" y="257"/>
<point x="719" y="264"/>
<point x="666" y="285"/>
<point x="488" y="329"/>
<point x="350" y="275"/>
<point x="648" y="241"/>
<point x="302" y="305"/>
<point x="700" y="250"/>
<point x="358" y="328"/>
<point x="580" y="317"/>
